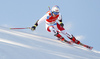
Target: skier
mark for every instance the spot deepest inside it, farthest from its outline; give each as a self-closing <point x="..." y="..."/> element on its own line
<point x="53" y="26"/>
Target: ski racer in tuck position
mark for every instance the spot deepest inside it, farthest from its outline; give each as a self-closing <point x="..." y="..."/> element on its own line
<point x="52" y="26"/>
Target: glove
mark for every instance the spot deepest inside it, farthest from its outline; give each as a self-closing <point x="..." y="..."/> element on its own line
<point x="61" y="24"/>
<point x="33" y="27"/>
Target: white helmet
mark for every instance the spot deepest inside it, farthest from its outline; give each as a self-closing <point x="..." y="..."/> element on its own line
<point x="55" y="9"/>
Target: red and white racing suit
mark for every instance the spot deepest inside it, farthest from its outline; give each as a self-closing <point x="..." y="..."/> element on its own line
<point x="52" y="25"/>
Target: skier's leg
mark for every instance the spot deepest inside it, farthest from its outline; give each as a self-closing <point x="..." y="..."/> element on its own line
<point x="70" y="36"/>
<point x="67" y="34"/>
<point x="56" y="33"/>
<point x="52" y="29"/>
<point x="62" y="38"/>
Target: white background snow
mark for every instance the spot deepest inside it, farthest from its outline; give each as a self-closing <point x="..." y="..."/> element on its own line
<point x="15" y="44"/>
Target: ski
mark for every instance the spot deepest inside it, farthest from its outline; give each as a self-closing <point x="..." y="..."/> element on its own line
<point x="65" y="41"/>
<point x="89" y="47"/>
<point x="71" y="43"/>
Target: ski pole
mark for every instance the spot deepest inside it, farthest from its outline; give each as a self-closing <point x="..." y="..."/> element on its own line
<point x="22" y="28"/>
<point x="49" y="8"/>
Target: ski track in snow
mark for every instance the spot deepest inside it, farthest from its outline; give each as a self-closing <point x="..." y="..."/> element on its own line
<point x="28" y="46"/>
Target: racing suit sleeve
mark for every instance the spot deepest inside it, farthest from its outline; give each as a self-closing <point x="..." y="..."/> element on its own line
<point x="41" y="20"/>
<point x="60" y="20"/>
<point x="60" y="17"/>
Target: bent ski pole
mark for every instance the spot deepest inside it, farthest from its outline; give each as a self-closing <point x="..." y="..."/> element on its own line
<point x="22" y="28"/>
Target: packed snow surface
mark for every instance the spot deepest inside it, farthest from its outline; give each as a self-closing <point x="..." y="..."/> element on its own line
<point x="23" y="45"/>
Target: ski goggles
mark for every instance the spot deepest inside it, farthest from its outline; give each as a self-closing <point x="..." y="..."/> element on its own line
<point x="56" y="13"/>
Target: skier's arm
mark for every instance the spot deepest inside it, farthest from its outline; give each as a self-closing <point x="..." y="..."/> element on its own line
<point x="60" y="20"/>
<point x="35" y="25"/>
<point x="38" y="22"/>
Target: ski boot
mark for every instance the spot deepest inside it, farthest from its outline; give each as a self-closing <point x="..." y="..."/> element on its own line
<point x="74" y="40"/>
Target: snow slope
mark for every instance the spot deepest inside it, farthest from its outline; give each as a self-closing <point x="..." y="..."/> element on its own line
<point x="20" y="45"/>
